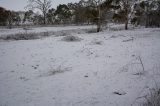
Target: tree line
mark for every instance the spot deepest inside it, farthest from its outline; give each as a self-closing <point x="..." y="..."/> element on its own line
<point x="137" y="12"/>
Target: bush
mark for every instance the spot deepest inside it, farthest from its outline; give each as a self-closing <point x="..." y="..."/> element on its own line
<point x="71" y="38"/>
<point x="25" y="36"/>
<point x="153" y="99"/>
<point x="20" y="36"/>
<point x="92" y="31"/>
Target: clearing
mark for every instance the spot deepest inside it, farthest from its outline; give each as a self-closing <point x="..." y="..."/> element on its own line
<point x="79" y="69"/>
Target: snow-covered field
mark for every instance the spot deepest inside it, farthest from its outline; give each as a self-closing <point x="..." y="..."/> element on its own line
<point x="102" y="69"/>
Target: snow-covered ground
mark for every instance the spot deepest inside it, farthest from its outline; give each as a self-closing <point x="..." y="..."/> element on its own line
<point x="103" y="69"/>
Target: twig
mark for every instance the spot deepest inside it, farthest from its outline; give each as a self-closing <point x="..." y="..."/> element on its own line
<point x="141" y="63"/>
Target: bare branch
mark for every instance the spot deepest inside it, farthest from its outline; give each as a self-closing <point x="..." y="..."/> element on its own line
<point x="42" y="5"/>
<point x="141" y="63"/>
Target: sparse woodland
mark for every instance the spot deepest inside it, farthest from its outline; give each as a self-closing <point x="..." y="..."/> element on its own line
<point x="136" y="12"/>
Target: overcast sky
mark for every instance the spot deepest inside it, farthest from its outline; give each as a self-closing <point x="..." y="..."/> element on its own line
<point x="18" y="5"/>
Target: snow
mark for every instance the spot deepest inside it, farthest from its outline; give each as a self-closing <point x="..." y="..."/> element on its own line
<point x="90" y="72"/>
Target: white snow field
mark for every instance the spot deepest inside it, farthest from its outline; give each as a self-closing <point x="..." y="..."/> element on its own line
<point x="101" y="69"/>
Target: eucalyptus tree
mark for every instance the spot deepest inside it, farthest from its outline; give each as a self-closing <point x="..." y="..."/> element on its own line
<point x="124" y="11"/>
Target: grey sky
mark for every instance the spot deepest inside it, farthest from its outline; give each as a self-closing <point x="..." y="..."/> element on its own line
<point x="18" y="5"/>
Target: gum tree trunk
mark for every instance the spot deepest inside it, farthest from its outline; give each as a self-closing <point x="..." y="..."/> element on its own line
<point x="126" y="25"/>
<point x="99" y="19"/>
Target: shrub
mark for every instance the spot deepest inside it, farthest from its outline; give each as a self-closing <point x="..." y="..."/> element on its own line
<point x="153" y="98"/>
<point x="71" y="38"/>
<point x="25" y="36"/>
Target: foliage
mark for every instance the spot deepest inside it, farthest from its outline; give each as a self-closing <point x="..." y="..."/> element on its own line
<point x="63" y="13"/>
<point x="28" y="16"/>
<point x="124" y="11"/>
<point x="4" y="14"/>
<point x="149" y="11"/>
<point x="51" y="16"/>
<point x="88" y="12"/>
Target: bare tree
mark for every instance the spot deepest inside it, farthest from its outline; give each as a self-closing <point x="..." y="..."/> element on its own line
<point x="42" y="5"/>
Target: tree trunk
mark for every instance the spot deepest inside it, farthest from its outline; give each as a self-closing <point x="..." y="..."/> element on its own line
<point x="44" y="18"/>
<point x="147" y="17"/>
<point x="98" y="26"/>
<point x="10" y="26"/>
<point x="146" y="21"/>
<point x="10" y="21"/>
<point x="99" y="19"/>
<point x="126" y="25"/>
